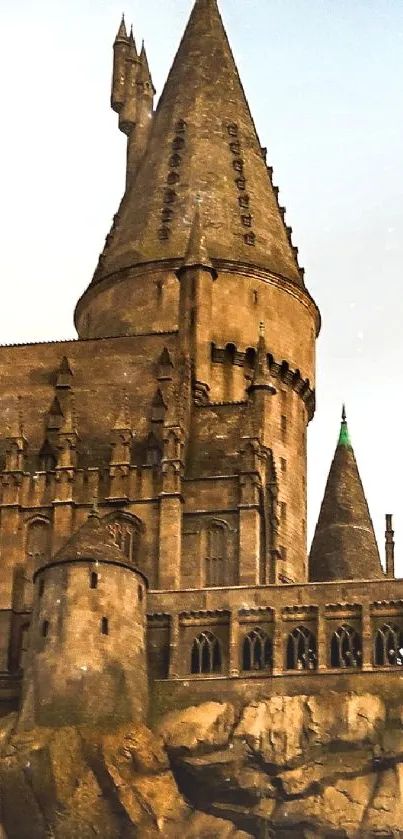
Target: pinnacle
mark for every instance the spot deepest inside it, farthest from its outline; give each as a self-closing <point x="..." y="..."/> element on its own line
<point x="17" y="427"/>
<point x="132" y="41"/>
<point x="262" y="378"/>
<point x="344" y="544"/>
<point x="122" y="31"/>
<point x="196" y="255"/>
<point x="123" y="418"/>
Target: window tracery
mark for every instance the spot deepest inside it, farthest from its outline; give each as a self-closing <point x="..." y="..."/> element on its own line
<point x="206" y="654"/>
<point x="126" y="532"/>
<point x="257" y="653"/>
<point x="346" y="647"/>
<point x="301" y="649"/>
<point x="388" y="646"/>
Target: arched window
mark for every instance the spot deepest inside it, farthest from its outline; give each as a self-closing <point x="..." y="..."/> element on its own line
<point x="93" y="579"/>
<point x="388" y="646"/>
<point x="125" y="532"/>
<point x="45" y="628"/>
<point x="257" y="651"/>
<point x="346" y="647"/>
<point x="104" y="626"/>
<point x="301" y="649"/>
<point x="216" y="556"/>
<point x="206" y="654"/>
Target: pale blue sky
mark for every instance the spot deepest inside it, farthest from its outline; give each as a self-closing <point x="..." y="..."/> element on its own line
<point x="325" y="83"/>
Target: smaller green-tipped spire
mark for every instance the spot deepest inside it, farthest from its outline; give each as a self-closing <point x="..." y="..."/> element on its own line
<point x="344" y="436"/>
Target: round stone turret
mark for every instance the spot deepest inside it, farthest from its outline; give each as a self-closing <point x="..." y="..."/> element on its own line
<point x="86" y="661"/>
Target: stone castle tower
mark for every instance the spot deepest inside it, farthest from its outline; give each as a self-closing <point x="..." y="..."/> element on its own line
<point x="183" y="408"/>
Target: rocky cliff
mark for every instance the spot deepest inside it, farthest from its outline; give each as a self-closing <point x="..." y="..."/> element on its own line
<point x="293" y="766"/>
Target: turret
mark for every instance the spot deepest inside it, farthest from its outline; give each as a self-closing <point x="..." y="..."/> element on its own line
<point x="120" y="54"/>
<point x="128" y="111"/>
<point x="86" y="662"/>
<point x="143" y="111"/>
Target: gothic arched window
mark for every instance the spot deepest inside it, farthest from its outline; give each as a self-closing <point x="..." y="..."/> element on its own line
<point x="301" y="649"/>
<point x="257" y="653"/>
<point x="388" y="646"/>
<point x="126" y="533"/>
<point x="206" y="654"/>
<point x="216" y="555"/>
<point x="346" y="647"/>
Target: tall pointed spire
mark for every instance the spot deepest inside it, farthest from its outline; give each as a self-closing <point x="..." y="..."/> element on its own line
<point x="344" y="545"/>
<point x="204" y="130"/>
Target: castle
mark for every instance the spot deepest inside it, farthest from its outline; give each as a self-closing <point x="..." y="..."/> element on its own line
<point x="153" y="501"/>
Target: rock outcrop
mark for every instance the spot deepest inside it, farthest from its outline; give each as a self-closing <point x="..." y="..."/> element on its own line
<point x="292" y="766"/>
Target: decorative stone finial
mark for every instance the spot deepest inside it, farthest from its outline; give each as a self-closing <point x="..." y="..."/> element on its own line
<point x="123" y="418"/>
<point x="344" y="436"/>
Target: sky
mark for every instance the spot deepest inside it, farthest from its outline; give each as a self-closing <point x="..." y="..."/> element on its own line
<point x="324" y="79"/>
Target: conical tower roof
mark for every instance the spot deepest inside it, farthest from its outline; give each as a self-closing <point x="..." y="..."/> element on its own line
<point x="344" y="545"/>
<point x="203" y="142"/>
<point x="92" y="541"/>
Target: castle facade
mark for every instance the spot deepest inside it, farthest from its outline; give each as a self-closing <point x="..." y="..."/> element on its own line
<point x="154" y="471"/>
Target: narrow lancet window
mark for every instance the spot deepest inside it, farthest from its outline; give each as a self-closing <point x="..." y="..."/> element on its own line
<point x="301" y="649"/>
<point x="257" y="651"/>
<point x="206" y="654"/>
<point x="388" y="646"/>
<point x="346" y="647"/>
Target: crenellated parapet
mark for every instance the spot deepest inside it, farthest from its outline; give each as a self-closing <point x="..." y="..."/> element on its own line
<point x="279" y="370"/>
